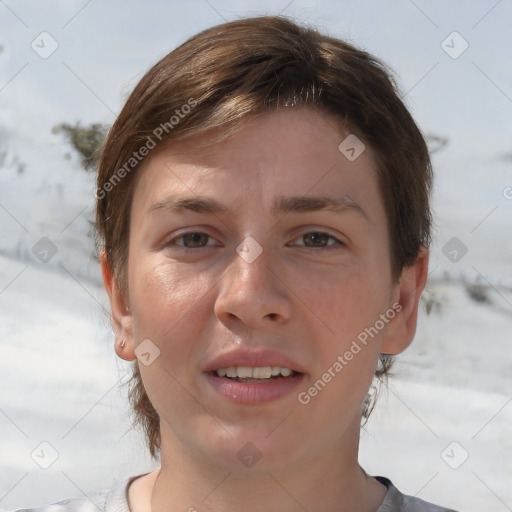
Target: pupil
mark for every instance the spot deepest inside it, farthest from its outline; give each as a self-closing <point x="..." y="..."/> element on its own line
<point x="194" y="238"/>
<point x="317" y="237"/>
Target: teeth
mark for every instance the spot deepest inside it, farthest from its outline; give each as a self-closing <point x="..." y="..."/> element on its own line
<point x="244" y="372"/>
<point x="259" y="372"/>
<point x="264" y="372"/>
<point x="275" y="371"/>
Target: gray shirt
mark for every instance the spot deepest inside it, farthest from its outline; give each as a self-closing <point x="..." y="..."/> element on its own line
<point x="116" y="500"/>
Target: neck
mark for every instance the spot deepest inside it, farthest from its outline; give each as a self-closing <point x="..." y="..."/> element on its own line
<point x="323" y="481"/>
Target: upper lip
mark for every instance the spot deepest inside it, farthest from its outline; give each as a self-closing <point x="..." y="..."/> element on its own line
<point x="252" y="358"/>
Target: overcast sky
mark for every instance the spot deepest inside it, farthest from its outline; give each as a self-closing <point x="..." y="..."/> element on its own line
<point x="108" y="46"/>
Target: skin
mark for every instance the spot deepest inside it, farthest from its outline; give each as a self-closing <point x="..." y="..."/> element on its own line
<point x="306" y="296"/>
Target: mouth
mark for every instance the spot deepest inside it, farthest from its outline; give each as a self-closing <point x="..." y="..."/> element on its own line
<point x="254" y="384"/>
<point x="249" y="375"/>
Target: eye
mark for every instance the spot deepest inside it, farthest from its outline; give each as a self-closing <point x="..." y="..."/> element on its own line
<point x="192" y="240"/>
<point x="318" y="239"/>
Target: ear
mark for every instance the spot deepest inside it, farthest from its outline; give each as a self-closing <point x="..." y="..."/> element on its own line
<point x="401" y="329"/>
<point x="121" y="318"/>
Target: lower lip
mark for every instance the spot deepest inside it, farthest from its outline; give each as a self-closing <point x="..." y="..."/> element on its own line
<point x="257" y="393"/>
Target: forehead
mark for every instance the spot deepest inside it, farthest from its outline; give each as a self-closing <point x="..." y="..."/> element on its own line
<point x="294" y="151"/>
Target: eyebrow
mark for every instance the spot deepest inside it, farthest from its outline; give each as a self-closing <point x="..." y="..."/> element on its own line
<point x="282" y="205"/>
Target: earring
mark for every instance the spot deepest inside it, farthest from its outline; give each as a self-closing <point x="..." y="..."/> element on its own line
<point x="123" y="343"/>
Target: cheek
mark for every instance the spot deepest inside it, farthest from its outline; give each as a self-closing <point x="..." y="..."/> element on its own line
<point x="347" y="300"/>
<point x="350" y="307"/>
<point x="167" y="309"/>
<point x="163" y="299"/>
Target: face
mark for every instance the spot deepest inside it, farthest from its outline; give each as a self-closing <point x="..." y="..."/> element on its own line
<point x="267" y="250"/>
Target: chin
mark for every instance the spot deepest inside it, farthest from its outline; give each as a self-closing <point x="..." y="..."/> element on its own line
<point x="255" y="450"/>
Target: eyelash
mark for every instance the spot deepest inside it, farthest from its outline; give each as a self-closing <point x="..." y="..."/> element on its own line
<point x="328" y="247"/>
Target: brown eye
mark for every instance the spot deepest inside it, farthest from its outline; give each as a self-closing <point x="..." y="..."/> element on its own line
<point x="195" y="239"/>
<point x="192" y="240"/>
<point x="318" y="239"/>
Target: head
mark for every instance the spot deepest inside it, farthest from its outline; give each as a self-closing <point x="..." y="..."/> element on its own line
<point x="245" y="113"/>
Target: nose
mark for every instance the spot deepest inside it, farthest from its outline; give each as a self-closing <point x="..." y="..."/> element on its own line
<point x="253" y="293"/>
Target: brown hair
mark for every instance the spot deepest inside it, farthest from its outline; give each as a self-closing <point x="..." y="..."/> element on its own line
<point x="219" y="79"/>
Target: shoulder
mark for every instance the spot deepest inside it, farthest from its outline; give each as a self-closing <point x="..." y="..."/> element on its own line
<point x="395" y="501"/>
<point x="106" y="500"/>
